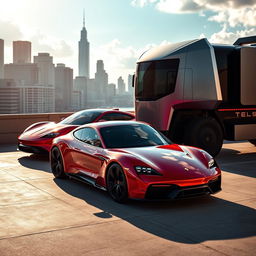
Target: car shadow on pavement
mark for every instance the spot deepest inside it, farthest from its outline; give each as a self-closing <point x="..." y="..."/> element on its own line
<point x="234" y="161"/>
<point x="8" y="148"/>
<point x="36" y="162"/>
<point x="188" y="221"/>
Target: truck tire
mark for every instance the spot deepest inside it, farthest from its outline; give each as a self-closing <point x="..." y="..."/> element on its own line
<point x="253" y="142"/>
<point x="206" y="134"/>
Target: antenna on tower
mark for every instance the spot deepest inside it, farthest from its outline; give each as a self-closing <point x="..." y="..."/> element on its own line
<point x="83" y="19"/>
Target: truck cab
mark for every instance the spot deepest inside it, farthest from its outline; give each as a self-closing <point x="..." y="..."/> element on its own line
<point x="199" y="93"/>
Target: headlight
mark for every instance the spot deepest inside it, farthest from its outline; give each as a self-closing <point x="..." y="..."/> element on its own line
<point x="50" y="135"/>
<point x="146" y="170"/>
<point x="212" y="163"/>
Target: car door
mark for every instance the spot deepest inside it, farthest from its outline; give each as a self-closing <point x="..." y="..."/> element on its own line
<point x="87" y="151"/>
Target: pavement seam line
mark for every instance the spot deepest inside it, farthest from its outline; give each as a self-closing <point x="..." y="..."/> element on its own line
<point x="60" y="229"/>
<point x="46" y="192"/>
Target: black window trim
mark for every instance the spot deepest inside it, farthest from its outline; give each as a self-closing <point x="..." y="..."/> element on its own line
<point x="73" y="133"/>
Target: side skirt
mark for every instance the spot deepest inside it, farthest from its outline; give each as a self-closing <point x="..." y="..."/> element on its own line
<point x="86" y="179"/>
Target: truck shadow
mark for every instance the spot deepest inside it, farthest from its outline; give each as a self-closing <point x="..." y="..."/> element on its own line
<point x="237" y="162"/>
<point x="189" y="221"/>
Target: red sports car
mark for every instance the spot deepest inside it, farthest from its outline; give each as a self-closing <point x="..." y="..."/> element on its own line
<point x="132" y="160"/>
<point x="38" y="137"/>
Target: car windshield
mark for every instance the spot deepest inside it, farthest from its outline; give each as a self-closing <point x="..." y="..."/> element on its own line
<point x="82" y="117"/>
<point x="132" y="135"/>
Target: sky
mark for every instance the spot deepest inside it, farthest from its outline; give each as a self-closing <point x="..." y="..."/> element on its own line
<point x="119" y="31"/>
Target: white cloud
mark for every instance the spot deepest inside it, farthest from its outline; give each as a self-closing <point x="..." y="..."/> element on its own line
<point x="10" y="32"/>
<point x="55" y="46"/>
<point x="178" y="6"/>
<point x="61" y="50"/>
<point x="142" y="3"/>
<point x="227" y="37"/>
<point x="118" y="59"/>
<point x="232" y="12"/>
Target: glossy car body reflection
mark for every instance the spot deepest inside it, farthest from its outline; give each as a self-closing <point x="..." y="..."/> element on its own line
<point x="38" y="137"/>
<point x="132" y="160"/>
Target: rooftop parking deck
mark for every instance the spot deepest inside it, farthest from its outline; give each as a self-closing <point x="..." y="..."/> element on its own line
<point x="40" y="215"/>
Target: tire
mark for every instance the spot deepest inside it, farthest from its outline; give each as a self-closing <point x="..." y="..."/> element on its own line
<point x="206" y="134"/>
<point x="253" y="142"/>
<point x="116" y="183"/>
<point x="57" y="164"/>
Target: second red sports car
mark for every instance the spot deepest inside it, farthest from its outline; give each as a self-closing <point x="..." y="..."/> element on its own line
<point x="132" y="160"/>
<point x="38" y="137"/>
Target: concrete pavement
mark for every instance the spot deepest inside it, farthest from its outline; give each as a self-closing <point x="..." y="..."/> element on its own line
<point x="40" y="215"/>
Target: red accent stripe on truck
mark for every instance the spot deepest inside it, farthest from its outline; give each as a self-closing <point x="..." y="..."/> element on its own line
<point x="236" y="109"/>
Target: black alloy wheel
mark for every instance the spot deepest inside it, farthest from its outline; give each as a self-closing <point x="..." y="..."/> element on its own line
<point x="116" y="183"/>
<point x="57" y="164"/>
<point x="206" y="134"/>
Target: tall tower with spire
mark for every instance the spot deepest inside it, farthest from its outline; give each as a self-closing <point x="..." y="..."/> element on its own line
<point x="84" y="53"/>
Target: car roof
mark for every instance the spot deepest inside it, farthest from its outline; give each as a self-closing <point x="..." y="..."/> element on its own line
<point x="100" y="125"/>
<point x="103" y="110"/>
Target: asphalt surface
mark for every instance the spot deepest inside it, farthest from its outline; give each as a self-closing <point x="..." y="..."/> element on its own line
<point x="40" y="215"/>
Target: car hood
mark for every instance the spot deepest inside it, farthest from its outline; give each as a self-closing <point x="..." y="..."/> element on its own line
<point x="38" y="132"/>
<point x="172" y="161"/>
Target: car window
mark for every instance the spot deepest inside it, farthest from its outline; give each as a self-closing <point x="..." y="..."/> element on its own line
<point x="116" y="116"/>
<point x="89" y="136"/>
<point x="82" y="117"/>
<point x="135" y="135"/>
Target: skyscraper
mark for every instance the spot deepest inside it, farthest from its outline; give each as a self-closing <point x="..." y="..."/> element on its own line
<point x="101" y="82"/>
<point x="10" y="96"/>
<point x="46" y="69"/>
<point x="21" y="52"/>
<point x="84" y="58"/>
<point x="63" y="87"/>
<point x="120" y="86"/>
<point x="1" y="58"/>
<point x="24" y="74"/>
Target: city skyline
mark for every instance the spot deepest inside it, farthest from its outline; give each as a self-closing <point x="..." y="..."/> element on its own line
<point x="119" y="31"/>
<point x="41" y="86"/>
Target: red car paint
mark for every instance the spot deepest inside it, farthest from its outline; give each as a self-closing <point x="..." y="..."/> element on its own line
<point x="180" y="165"/>
<point x="32" y="137"/>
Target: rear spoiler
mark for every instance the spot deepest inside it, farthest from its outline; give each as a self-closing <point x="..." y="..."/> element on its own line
<point x="245" y="40"/>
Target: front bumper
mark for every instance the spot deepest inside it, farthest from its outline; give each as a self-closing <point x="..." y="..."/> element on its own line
<point x="173" y="191"/>
<point x="32" y="149"/>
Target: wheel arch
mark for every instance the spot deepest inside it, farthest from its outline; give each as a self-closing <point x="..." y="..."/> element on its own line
<point x="63" y="160"/>
<point x="182" y="117"/>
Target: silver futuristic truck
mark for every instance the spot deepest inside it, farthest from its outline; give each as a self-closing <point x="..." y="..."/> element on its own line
<point x="199" y="93"/>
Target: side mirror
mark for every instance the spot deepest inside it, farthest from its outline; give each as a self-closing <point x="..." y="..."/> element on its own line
<point x="97" y="143"/>
<point x="133" y="80"/>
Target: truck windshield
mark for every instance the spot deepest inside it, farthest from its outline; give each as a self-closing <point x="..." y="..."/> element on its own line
<point x="156" y="79"/>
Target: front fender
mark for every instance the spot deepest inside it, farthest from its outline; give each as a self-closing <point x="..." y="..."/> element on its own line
<point x="32" y="126"/>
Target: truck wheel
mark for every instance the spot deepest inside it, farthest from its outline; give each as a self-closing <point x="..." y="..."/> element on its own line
<point x="206" y="134"/>
<point x="253" y="142"/>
